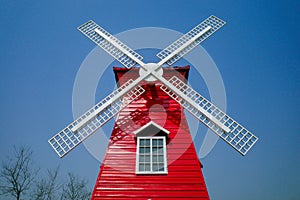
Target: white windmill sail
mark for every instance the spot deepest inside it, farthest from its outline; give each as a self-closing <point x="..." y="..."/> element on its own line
<point x="76" y="132"/>
<point x="190" y="40"/>
<point x="224" y="126"/>
<point x="110" y="44"/>
<point x="210" y="115"/>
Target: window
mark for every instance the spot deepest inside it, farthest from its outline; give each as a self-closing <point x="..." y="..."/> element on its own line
<point x="151" y="155"/>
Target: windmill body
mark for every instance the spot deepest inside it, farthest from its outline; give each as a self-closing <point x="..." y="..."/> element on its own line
<point x="151" y="154"/>
<point x="119" y="176"/>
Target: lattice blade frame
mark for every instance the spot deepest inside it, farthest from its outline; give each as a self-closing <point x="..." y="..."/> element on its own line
<point x="71" y="136"/>
<point x="121" y="52"/>
<point x="190" y="40"/>
<point x="238" y="137"/>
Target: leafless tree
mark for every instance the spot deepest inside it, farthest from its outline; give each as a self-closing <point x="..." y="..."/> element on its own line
<point x="17" y="173"/>
<point x="18" y="178"/>
<point x="47" y="188"/>
<point x="75" y="189"/>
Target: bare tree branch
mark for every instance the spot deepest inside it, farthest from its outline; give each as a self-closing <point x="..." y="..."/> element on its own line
<point x="17" y="177"/>
<point x="17" y="174"/>
<point x="75" y="189"/>
<point x="48" y="188"/>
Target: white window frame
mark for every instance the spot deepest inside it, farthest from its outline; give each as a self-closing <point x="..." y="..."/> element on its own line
<point x="151" y="162"/>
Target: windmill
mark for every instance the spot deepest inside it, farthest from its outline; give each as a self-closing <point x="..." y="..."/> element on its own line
<point x="152" y="142"/>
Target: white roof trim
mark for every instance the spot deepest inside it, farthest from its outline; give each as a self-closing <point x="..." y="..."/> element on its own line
<point x="151" y="123"/>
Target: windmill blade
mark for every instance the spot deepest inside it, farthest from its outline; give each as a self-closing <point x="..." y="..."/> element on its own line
<point x="190" y="40"/>
<point x="110" y="44"/>
<point x="216" y="120"/>
<point x="71" y="136"/>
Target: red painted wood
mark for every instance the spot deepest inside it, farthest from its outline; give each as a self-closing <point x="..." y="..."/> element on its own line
<point x="117" y="178"/>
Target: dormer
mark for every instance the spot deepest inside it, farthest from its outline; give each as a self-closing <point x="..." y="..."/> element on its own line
<point x="151" y="149"/>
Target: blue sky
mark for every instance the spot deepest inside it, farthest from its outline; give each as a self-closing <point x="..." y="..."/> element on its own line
<point x="257" y="54"/>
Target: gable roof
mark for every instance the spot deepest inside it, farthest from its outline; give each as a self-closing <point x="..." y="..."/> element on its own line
<point x="151" y="128"/>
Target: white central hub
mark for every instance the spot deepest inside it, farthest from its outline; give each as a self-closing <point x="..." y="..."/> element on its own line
<point x="151" y="66"/>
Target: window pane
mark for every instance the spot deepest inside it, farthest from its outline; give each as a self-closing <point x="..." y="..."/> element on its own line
<point x="142" y="158"/>
<point x="160" y="158"/>
<point x="154" y="158"/>
<point x="142" y="150"/>
<point x="141" y="167"/>
<point x="147" y="149"/>
<point x="154" y="150"/>
<point x="154" y="142"/>
<point x="155" y="167"/>
<point x="148" y="143"/>
<point x="147" y="167"/>
<point x="147" y="158"/>
<point x="161" y="168"/>
<point x="160" y="142"/>
<point x="160" y="150"/>
<point x="142" y="142"/>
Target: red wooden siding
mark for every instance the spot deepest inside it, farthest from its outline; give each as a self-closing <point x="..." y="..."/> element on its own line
<point x="117" y="178"/>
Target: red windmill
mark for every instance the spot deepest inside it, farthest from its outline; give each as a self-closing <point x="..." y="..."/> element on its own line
<point x="151" y="153"/>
